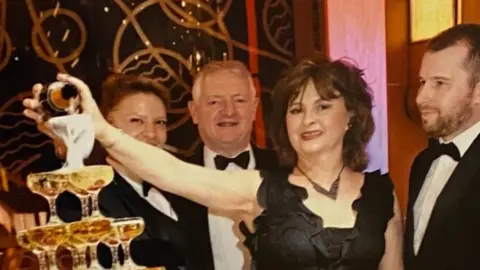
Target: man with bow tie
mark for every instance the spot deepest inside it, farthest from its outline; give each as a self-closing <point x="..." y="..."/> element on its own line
<point x="224" y="108"/>
<point x="443" y="222"/>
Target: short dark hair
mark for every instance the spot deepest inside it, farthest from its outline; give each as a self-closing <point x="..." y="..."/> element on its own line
<point x="117" y="86"/>
<point x="466" y="34"/>
<point x="332" y="79"/>
<point x="114" y="89"/>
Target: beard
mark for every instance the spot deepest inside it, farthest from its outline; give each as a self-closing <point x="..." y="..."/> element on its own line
<point x="451" y="121"/>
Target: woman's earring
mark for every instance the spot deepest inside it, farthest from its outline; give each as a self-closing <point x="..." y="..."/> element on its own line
<point x="348" y="126"/>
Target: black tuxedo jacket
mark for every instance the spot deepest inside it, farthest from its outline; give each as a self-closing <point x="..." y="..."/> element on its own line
<point x="264" y="160"/>
<point x="452" y="237"/>
<point x="162" y="243"/>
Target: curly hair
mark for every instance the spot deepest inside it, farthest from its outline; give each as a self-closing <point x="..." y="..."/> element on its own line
<point x="332" y="79"/>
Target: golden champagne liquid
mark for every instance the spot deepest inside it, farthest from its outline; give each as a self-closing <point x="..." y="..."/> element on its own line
<point x="112" y="238"/>
<point x="50" y="236"/>
<point x="77" y="191"/>
<point x="129" y="228"/>
<point x="23" y="241"/>
<point x="47" y="186"/>
<point x="92" y="178"/>
<point x="90" y="231"/>
<point x="74" y="241"/>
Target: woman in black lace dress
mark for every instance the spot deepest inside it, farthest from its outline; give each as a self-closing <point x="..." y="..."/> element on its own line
<point x="323" y="212"/>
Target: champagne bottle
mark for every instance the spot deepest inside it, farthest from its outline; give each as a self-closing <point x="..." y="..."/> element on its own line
<point x="55" y="99"/>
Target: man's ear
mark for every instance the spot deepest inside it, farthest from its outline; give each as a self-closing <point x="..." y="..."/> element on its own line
<point x="476" y="95"/>
<point x="256" y="101"/>
<point x="193" y="111"/>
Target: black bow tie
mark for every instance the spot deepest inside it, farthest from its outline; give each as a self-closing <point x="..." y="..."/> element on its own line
<point x="438" y="149"/>
<point x="241" y="160"/>
<point x="146" y="188"/>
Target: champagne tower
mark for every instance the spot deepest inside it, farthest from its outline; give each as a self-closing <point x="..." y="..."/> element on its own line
<point x="82" y="235"/>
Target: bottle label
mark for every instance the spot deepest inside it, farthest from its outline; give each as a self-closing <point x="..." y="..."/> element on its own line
<point x="54" y="97"/>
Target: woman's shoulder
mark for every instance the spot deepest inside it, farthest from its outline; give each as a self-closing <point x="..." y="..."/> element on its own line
<point x="377" y="194"/>
<point x="378" y="180"/>
<point x="275" y="187"/>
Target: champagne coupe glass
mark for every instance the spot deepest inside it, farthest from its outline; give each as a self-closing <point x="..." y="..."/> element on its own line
<point x="113" y="242"/>
<point x="89" y="233"/>
<point x="79" y="252"/>
<point x="84" y="196"/>
<point x="92" y="179"/>
<point x="78" y="255"/>
<point x="49" y="185"/>
<point x="128" y="228"/>
<point x="24" y="242"/>
<point x="49" y="237"/>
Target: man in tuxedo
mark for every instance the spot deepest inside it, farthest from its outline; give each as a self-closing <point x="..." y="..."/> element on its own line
<point x="443" y="222"/>
<point x="223" y="106"/>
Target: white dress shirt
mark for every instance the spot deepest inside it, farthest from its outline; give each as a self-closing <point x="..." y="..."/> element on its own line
<point x="229" y="253"/>
<point x="436" y="179"/>
<point x="154" y="198"/>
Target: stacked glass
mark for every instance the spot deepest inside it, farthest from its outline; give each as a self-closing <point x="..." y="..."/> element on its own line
<point x="93" y="228"/>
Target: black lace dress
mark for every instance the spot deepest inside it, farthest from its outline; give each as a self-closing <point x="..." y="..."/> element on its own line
<point x="289" y="236"/>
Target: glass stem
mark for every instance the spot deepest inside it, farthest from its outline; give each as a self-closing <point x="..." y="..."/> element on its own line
<point x="127" y="259"/>
<point x="84" y="201"/>
<point x="93" y="257"/>
<point x="74" y="253"/>
<point x="82" y="257"/>
<point x="95" y="207"/>
<point x="114" y="251"/>
<point x="42" y="263"/>
<point x="52" y="260"/>
<point x="53" y="210"/>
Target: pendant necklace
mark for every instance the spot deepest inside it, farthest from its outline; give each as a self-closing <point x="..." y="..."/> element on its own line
<point x="333" y="192"/>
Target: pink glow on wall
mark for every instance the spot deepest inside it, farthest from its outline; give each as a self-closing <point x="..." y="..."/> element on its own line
<point x="356" y="29"/>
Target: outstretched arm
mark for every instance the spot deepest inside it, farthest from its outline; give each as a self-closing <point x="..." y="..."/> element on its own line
<point x="220" y="190"/>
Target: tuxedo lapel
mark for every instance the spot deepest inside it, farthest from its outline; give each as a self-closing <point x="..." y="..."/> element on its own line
<point x="195" y="222"/>
<point x="418" y="173"/>
<point x="158" y="225"/>
<point x="452" y="193"/>
<point x="197" y="157"/>
<point x="264" y="159"/>
<point x="418" y="176"/>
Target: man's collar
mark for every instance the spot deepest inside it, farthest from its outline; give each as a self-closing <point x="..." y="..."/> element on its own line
<point x="466" y="138"/>
<point x="138" y="187"/>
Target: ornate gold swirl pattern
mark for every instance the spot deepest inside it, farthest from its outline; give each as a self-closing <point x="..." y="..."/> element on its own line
<point x="169" y="67"/>
<point x="5" y="41"/>
<point x="151" y="53"/>
<point x="44" y="49"/>
<point x="17" y="144"/>
<point x="38" y="33"/>
<point x="138" y="29"/>
<point x="275" y="24"/>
